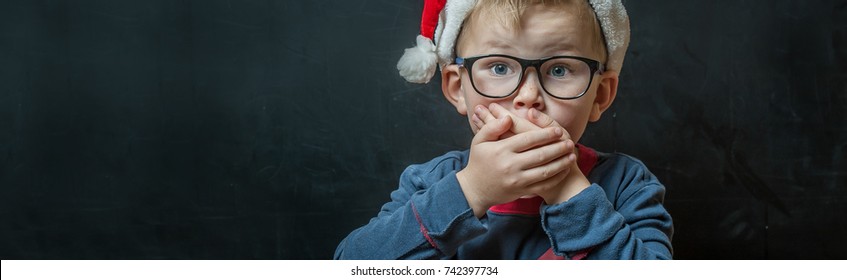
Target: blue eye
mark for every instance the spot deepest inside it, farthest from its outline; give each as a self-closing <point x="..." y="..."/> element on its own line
<point x="558" y="71"/>
<point x="500" y="69"/>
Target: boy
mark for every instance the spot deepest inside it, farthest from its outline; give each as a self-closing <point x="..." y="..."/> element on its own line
<point x="529" y="75"/>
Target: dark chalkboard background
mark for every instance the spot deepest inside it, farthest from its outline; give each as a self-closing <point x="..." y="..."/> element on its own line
<point x="270" y="129"/>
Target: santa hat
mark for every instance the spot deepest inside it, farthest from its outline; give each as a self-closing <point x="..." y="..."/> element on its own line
<point x="442" y="20"/>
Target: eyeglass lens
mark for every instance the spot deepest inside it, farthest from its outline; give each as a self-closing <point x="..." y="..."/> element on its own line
<point x="498" y="76"/>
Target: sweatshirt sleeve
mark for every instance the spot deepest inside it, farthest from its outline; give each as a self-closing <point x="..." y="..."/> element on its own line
<point x="428" y="217"/>
<point x="624" y="219"/>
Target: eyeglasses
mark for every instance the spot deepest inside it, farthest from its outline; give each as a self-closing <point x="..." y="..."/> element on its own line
<point x="562" y="77"/>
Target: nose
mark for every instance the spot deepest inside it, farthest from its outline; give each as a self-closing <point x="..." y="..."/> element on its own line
<point x="529" y="93"/>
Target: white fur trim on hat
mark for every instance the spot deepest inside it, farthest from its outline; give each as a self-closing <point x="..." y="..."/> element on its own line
<point x="449" y="25"/>
<point x="615" y="24"/>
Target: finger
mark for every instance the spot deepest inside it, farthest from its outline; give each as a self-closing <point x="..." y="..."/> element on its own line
<point x="548" y="187"/>
<point x="540" y="119"/>
<point x="543" y="120"/>
<point x="520" y="124"/>
<point x="528" y="140"/>
<point x="492" y="131"/>
<point x="477" y="123"/>
<point x="488" y="116"/>
<point x="551" y="189"/>
<point x="484" y="114"/>
<point x="544" y="154"/>
<point x="550" y="170"/>
<point x="498" y="110"/>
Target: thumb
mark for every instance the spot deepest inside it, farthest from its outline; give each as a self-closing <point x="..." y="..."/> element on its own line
<point x="491" y="131"/>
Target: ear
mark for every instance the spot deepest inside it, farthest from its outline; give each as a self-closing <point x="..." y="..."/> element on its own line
<point x="451" y="86"/>
<point x="607" y="89"/>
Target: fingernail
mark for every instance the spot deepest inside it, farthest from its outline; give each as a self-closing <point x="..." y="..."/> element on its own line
<point x="557" y="131"/>
<point x="534" y="113"/>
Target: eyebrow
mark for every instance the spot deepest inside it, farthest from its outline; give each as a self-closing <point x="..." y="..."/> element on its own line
<point x="559" y="46"/>
<point x="498" y="45"/>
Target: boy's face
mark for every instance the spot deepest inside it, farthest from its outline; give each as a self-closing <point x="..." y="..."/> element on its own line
<point x="543" y="32"/>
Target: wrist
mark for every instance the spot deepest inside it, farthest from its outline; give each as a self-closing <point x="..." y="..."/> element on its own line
<point x="476" y="204"/>
<point x="573" y="184"/>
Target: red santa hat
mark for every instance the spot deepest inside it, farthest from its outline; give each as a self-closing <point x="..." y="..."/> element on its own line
<point x="442" y="20"/>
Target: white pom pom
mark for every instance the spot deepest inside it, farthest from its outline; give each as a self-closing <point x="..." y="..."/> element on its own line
<point x="418" y="63"/>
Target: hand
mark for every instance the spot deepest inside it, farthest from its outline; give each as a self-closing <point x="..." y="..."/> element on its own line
<point x="567" y="188"/>
<point x="535" y="120"/>
<point x="500" y="171"/>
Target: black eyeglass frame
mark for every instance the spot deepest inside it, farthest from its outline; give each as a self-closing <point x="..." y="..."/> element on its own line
<point x="467" y="63"/>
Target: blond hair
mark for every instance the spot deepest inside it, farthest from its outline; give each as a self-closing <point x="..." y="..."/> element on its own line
<point x="510" y="12"/>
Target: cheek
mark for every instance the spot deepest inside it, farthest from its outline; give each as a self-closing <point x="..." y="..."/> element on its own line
<point x="472" y="99"/>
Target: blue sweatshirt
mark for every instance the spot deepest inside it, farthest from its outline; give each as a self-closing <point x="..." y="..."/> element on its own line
<point x="620" y="216"/>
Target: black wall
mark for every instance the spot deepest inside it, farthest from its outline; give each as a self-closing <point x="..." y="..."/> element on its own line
<point x="270" y="129"/>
